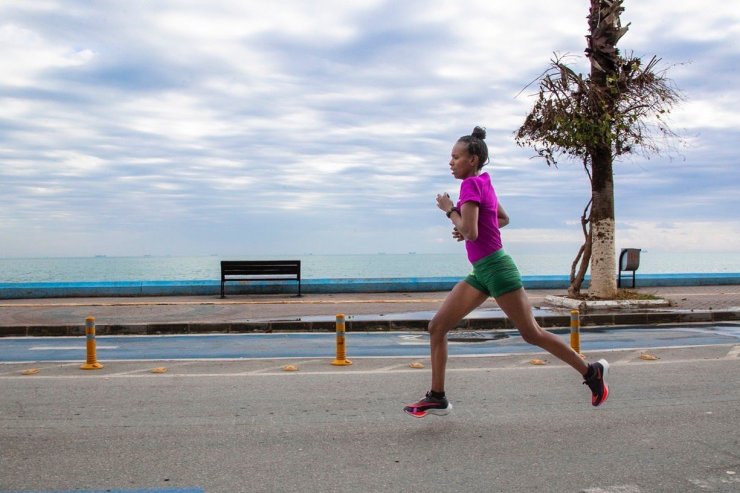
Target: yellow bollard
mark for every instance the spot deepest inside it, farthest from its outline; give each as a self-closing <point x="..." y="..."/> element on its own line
<point x="575" y="331"/>
<point x="92" y="359"/>
<point x="341" y="359"/>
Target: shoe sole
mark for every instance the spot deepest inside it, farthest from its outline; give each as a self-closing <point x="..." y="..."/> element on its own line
<point x="605" y="364"/>
<point x="435" y="412"/>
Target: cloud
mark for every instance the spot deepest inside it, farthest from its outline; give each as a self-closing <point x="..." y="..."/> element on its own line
<point x="25" y="54"/>
<point x="683" y="236"/>
<point x="196" y="128"/>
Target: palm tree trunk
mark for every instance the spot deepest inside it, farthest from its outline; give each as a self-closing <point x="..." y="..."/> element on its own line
<point x="605" y="30"/>
<point x="603" y="261"/>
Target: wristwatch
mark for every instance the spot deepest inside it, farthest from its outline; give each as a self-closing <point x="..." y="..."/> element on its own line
<point x="454" y="209"/>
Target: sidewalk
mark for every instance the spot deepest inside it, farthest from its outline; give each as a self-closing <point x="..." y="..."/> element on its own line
<point x="315" y="312"/>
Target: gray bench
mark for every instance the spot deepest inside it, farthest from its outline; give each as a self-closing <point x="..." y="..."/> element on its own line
<point x="260" y="270"/>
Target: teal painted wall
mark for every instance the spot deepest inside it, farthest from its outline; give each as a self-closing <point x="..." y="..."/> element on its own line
<point x="315" y="286"/>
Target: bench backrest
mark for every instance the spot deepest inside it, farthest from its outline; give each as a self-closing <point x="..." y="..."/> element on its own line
<point x="260" y="267"/>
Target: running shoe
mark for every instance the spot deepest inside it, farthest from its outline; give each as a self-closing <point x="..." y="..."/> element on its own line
<point x="429" y="405"/>
<point x="597" y="382"/>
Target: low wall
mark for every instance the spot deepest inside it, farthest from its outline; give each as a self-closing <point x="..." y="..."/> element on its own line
<point x="309" y="286"/>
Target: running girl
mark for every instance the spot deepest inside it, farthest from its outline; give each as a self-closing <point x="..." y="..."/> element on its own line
<point x="477" y="218"/>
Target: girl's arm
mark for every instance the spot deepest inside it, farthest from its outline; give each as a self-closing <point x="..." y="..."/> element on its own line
<point x="465" y="219"/>
<point x="466" y="222"/>
<point x="503" y="217"/>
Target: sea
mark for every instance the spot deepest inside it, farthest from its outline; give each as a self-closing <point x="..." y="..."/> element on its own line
<point x="409" y="265"/>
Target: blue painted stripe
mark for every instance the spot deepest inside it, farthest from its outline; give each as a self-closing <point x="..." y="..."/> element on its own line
<point x="321" y="286"/>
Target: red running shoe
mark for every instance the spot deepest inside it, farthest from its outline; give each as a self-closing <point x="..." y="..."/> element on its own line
<point x="597" y="382"/>
<point x="429" y="405"/>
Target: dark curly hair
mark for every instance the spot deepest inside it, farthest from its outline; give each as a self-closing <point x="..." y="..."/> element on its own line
<point x="477" y="145"/>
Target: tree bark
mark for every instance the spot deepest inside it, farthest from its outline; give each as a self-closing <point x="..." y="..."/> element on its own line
<point x="605" y="28"/>
<point x="603" y="262"/>
<point x="583" y="259"/>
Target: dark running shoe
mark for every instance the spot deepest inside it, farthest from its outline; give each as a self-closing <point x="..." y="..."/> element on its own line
<point x="429" y="405"/>
<point x="597" y="382"/>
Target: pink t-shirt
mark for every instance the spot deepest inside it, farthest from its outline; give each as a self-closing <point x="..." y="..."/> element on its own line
<point x="479" y="189"/>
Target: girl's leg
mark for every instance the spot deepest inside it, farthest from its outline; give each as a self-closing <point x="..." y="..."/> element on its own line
<point x="462" y="300"/>
<point x="516" y="306"/>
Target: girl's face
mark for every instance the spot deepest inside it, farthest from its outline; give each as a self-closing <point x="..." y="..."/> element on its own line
<point x="462" y="163"/>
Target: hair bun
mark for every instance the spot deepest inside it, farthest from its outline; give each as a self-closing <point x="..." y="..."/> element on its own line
<point x="479" y="133"/>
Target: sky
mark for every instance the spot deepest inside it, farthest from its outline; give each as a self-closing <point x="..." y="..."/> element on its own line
<point x="255" y="128"/>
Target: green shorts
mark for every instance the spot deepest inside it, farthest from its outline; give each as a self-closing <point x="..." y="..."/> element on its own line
<point x="495" y="274"/>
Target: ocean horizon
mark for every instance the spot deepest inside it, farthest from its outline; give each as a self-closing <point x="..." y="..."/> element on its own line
<point x="349" y="266"/>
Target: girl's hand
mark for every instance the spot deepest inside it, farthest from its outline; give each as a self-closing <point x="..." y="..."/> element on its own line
<point x="456" y="234"/>
<point x="444" y="202"/>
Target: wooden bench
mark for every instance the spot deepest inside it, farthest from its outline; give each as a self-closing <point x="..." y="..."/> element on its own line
<point x="260" y="270"/>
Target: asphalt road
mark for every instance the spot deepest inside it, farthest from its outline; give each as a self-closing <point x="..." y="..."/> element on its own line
<point x="323" y="345"/>
<point x="670" y="424"/>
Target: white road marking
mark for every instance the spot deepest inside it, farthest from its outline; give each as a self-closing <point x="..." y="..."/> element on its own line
<point x="526" y="354"/>
<point x="272" y="369"/>
<point x="387" y="369"/>
<point x="329" y="371"/>
<point x="629" y="357"/>
<point x="711" y="484"/>
<point x="43" y="366"/>
<point x="67" y="348"/>
<point x="621" y="488"/>
<point x="148" y="369"/>
<point x="733" y="353"/>
<point x="449" y="343"/>
<point x="412" y="340"/>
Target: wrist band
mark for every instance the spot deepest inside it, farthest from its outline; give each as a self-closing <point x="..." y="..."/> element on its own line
<point x="454" y="209"/>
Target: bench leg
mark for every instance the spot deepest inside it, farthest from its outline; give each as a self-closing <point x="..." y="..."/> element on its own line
<point x="222" y="290"/>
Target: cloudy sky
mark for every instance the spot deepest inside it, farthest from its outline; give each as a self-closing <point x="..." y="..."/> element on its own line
<point x="250" y="127"/>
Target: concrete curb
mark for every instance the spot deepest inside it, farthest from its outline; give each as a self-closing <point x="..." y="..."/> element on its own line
<point x="549" y="321"/>
<point x="587" y="306"/>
